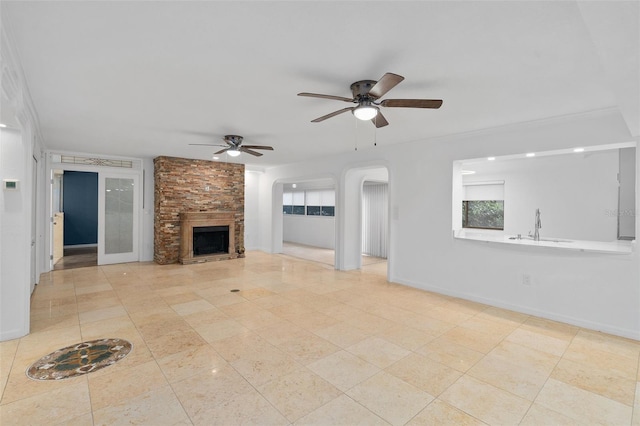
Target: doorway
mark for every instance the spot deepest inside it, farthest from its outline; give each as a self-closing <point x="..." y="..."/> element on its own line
<point x="375" y="224"/>
<point x="353" y="229"/>
<point x="75" y="219"/>
<point x="308" y="219"/>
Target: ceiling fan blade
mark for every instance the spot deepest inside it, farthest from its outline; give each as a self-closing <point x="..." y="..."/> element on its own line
<point x="412" y="103"/>
<point x="386" y="83"/>
<point x="258" y="147"/>
<point x="249" y="151"/>
<point x="333" y="114"/>
<point x="221" y="151"/>
<point x="205" y="144"/>
<point x="317" y="95"/>
<point x="379" y="120"/>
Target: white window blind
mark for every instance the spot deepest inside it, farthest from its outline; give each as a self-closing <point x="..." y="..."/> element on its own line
<point x="328" y="197"/>
<point x="314" y="198"/>
<point x="375" y="201"/>
<point x="480" y="191"/>
<point x="298" y="198"/>
<point x="287" y="199"/>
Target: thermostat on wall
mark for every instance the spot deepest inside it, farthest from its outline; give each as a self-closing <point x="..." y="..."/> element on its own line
<point x="10" y="184"/>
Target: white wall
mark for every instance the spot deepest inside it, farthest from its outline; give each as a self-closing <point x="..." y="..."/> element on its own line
<point x="577" y="194"/>
<point x="598" y="291"/>
<point x="15" y="231"/>
<point x="20" y="143"/>
<point x="251" y="209"/>
<point x="316" y="231"/>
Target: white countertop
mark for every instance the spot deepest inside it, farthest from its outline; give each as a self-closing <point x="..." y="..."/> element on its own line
<point x="615" y="247"/>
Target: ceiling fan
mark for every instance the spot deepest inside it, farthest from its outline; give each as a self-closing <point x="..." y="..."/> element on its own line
<point x="234" y="146"/>
<point x="366" y="94"/>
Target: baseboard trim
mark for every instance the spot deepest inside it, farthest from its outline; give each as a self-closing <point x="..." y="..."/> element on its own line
<point x="580" y="322"/>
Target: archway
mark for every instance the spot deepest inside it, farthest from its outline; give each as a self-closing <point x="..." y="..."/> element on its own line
<point x="351" y="221"/>
<point x="305" y="218"/>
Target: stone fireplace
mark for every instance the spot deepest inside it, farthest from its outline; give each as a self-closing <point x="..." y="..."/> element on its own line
<point x="206" y="236"/>
<point x="197" y="194"/>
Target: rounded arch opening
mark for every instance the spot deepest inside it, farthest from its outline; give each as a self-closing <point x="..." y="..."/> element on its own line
<point x="360" y="219"/>
<point x="304" y="220"/>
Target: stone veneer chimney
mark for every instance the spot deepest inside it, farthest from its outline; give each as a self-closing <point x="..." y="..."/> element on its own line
<point x="185" y="185"/>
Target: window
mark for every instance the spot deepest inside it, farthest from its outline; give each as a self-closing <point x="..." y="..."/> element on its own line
<point x="293" y="203"/>
<point x="328" y="211"/>
<point x="483" y="205"/>
<point x="483" y="214"/>
<point x="313" y="210"/>
<point x="321" y="202"/>
<point x="310" y="203"/>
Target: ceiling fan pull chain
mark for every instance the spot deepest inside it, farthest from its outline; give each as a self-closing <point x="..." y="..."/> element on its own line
<point x="356" y="134"/>
<point x="375" y="134"/>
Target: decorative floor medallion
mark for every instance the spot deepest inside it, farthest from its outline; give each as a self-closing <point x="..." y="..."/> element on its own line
<point x="78" y="359"/>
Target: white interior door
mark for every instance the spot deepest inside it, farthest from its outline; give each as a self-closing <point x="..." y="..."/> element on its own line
<point x="118" y="217"/>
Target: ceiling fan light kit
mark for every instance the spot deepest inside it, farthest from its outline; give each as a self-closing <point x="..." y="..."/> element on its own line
<point x="366" y="93"/>
<point x="365" y="112"/>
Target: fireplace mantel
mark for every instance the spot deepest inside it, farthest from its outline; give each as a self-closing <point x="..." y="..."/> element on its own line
<point x="190" y="220"/>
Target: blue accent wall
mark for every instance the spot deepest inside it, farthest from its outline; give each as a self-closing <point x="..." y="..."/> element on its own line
<point x="80" y="206"/>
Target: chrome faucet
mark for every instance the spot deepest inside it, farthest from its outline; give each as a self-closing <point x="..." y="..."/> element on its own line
<point x="538" y="225"/>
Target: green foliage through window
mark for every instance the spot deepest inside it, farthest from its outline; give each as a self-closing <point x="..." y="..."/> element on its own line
<point x="483" y="214"/>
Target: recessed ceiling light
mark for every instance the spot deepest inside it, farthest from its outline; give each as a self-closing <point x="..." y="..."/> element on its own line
<point x="578" y="150"/>
<point x="3" y="125"/>
<point x="294" y="185"/>
<point x="491" y="158"/>
<point x="467" y="172"/>
<point x="216" y="157"/>
<point x="531" y="154"/>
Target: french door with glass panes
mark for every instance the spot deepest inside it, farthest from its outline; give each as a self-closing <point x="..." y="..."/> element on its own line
<point x="118" y="218"/>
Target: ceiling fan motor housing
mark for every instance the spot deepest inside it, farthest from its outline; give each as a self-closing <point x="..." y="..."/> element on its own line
<point x="234" y="139"/>
<point x="360" y="90"/>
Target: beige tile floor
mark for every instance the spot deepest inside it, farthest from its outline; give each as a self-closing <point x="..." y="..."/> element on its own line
<point x="303" y="344"/>
<point x="326" y="256"/>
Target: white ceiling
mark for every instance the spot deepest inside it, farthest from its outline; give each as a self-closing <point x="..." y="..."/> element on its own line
<point x="145" y="79"/>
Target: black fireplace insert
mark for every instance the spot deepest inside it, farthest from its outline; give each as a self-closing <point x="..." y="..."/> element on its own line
<point x="210" y="240"/>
